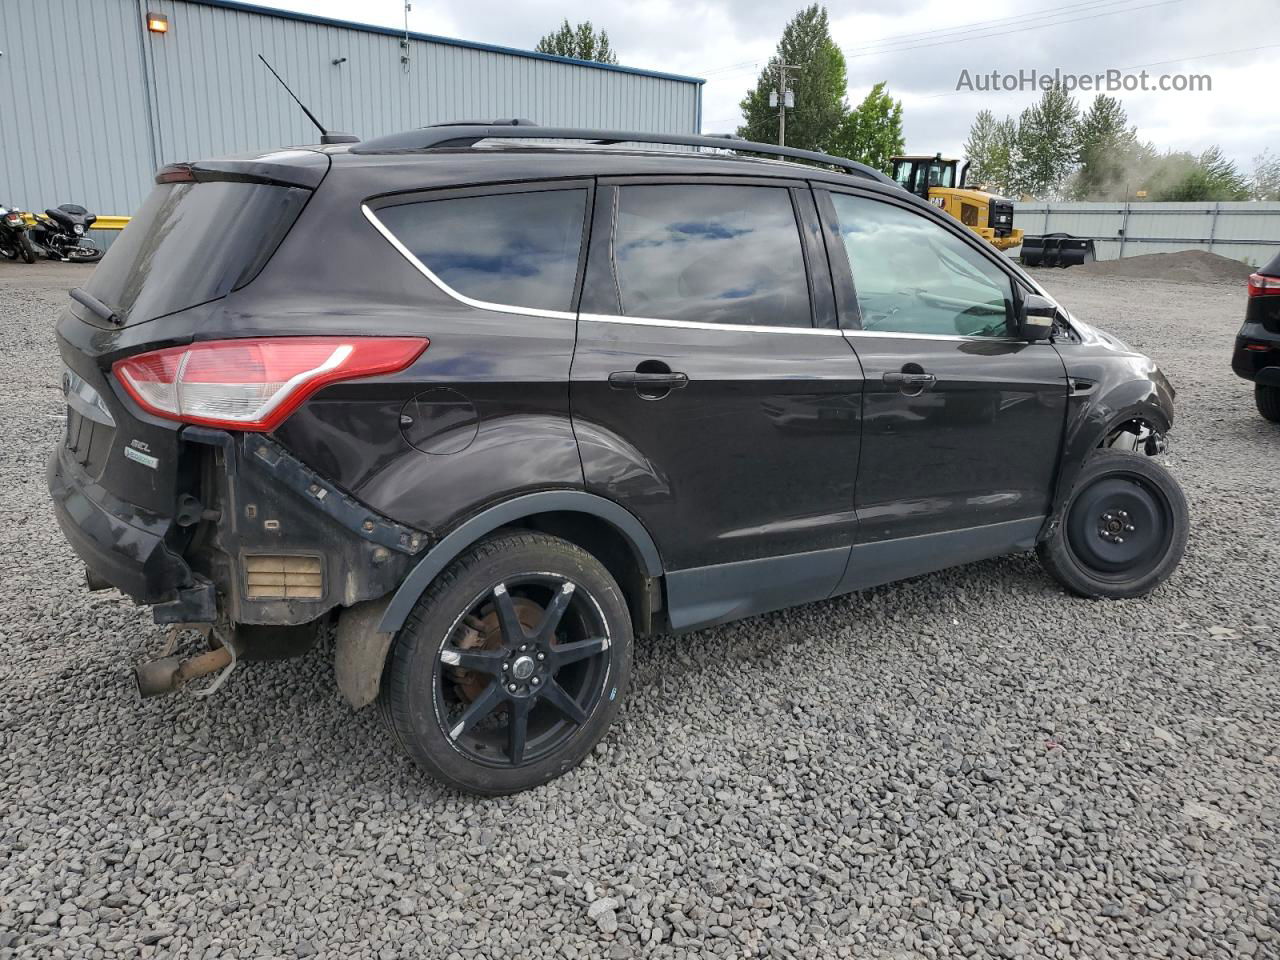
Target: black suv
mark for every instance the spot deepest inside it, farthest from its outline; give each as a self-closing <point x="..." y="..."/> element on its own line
<point x="497" y="408"/>
<point x="1257" y="352"/>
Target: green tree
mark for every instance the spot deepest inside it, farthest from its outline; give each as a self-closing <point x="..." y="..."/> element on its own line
<point x="1189" y="178"/>
<point x="872" y="132"/>
<point x="1108" y="150"/>
<point x="816" y="74"/>
<point x="1266" y="176"/>
<point x="1046" y="144"/>
<point x="992" y="150"/>
<point x="1006" y="157"/>
<point x="978" y="149"/>
<point x="580" y="42"/>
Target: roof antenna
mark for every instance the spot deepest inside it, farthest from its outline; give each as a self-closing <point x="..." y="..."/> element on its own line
<point x="325" y="135"/>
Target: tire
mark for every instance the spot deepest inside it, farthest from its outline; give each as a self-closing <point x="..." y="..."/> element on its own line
<point x="83" y="254"/>
<point x="1268" y="400"/>
<point x="445" y="689"/>
<point x="1123" y="530"/>
<point x="25" y="248"/>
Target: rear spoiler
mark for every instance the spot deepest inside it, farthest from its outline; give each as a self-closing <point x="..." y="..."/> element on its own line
<point x="303" y="168"/>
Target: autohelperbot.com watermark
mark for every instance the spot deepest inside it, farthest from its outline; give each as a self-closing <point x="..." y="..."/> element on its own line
<point x="1106" y="81"/>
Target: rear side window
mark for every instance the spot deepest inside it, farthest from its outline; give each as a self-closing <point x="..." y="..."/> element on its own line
<point x="193" y="242"/>
<point x="712" y="254"/>
<point x="517" y="249"/>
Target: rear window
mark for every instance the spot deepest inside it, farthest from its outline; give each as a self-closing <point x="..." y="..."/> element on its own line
<point x="516" y="249"/>
<point x="193" y="242"/>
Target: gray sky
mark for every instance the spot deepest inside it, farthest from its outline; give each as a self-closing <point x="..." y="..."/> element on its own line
<point x="728" y="42"/>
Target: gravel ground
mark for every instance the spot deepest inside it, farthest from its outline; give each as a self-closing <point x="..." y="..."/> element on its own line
<point x="966" y="764"/>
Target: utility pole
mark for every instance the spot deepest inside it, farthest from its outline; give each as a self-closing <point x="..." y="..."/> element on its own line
<point x="783" y="98"/>
<point x="404" y="41"/>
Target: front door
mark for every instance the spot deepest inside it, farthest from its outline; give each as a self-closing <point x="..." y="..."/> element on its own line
<point x="708" y="401"/>
<point x="962" y="423"/>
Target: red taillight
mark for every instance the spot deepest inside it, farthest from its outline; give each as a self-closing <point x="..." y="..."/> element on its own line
<point x="1261" y="286"/>
<point x="254" y="384"/>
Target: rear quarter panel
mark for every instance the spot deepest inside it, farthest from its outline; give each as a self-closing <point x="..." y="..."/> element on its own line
<point x="487" y="403"/>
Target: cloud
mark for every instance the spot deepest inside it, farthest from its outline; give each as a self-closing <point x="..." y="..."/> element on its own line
<point x="728" y="41"/>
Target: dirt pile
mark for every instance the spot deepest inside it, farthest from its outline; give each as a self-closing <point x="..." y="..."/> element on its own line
<point x="1185" y="266"/>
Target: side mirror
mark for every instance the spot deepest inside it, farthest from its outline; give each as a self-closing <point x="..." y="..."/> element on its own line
<point x="1035" y="322"/>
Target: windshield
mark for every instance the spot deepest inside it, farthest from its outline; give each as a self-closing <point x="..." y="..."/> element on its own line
<point x="193" y="242"/>
<point x="942" y="175"/>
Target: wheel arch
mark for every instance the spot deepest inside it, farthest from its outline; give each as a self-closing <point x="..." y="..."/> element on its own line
<point x="1142" y="401"/>
<point x="601" y="526"/>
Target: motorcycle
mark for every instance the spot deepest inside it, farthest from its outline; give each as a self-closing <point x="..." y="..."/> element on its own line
<point x="61" y="232"/>
<point x="14" y="242"/>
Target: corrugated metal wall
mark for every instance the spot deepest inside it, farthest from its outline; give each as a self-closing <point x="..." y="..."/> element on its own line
<point x="1243" y="231"/>
<point x="124" y="101"/>
<point x="75" y="132"/>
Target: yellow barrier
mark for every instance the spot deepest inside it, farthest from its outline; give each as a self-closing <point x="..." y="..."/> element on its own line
<point x="102" y="223"/>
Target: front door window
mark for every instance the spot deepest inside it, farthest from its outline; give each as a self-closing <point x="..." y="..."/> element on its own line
<point x="913" y="276"/>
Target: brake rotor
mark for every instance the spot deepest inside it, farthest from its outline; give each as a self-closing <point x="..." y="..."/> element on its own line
<point x="485" y="633"/>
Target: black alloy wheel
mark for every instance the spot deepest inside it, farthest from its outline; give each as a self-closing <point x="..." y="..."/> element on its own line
<point x="522" y="671"/>
<point x="511" y="666"/>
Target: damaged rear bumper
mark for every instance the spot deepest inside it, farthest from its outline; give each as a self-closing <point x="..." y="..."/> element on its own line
<point x="264" y="540"/>
<point x="122" y="544"/>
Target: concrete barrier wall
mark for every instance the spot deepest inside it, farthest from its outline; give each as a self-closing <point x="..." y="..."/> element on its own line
<point x="1248" y="231"/>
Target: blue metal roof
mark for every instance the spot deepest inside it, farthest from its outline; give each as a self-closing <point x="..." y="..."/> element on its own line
<point x="432" y="38"/>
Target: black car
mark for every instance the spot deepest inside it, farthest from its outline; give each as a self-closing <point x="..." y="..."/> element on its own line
<point x="1257" y="352"/>
<point x="498" y="407"/>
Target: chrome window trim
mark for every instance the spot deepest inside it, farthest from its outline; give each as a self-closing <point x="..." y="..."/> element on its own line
<point x="423" y="269"/>
<point x="641" y="321"/>
<point x="699" y="325"/>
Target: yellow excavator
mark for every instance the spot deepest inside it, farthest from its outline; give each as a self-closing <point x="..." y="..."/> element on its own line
<point x="935" y="179"/>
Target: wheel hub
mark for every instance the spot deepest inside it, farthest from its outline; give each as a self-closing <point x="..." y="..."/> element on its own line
<point x="1117" y="526"/>
<point x="1114" y="525"/>
<point x="485" y="633"/>
<point x="522" y="669"/>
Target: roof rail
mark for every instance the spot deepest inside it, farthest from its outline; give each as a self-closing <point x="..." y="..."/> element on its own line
<point x="504" y="122"/>
<point x="450" y="135"/>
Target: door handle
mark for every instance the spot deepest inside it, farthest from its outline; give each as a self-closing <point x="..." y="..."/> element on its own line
<point x="910" y="379"/>
<point x="631" y="379"/>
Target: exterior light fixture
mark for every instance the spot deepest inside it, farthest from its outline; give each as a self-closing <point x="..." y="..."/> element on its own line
<point x="157" y="23"/>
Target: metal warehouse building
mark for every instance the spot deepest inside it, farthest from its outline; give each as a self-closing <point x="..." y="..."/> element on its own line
<point x="94" y="102"/>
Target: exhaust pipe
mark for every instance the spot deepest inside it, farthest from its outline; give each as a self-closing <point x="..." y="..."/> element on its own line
<point x="167" y="675"/>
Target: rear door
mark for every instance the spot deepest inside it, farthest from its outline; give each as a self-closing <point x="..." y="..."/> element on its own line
<point x="712" y="393"/>
<point x="962" y="422"/>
